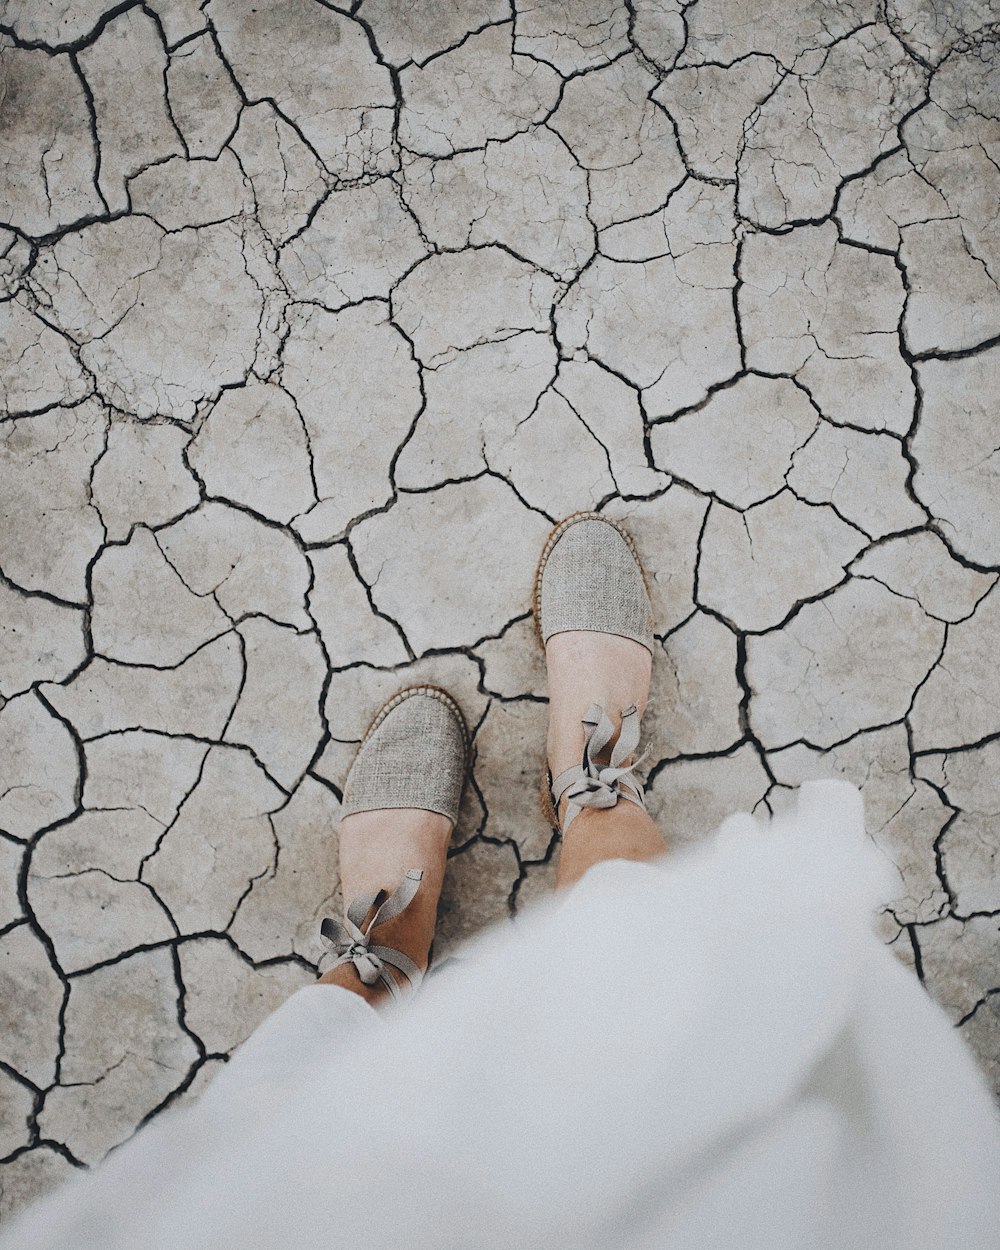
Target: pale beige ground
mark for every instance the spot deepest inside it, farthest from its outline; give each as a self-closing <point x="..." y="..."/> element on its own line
<point x="314" y="319"/>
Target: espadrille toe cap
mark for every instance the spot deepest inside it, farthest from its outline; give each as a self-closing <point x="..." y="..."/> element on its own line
<point x="590" y="579"/>
<point x="414" y="755"/>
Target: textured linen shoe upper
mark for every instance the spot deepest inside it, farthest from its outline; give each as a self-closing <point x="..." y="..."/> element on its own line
<point x="591" y="579"/>
<point x="414" y="755"/>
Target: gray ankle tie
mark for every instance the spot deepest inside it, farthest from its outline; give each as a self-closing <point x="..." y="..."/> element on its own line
<point x="589" y="784"/>
<point x="352" y="943"/>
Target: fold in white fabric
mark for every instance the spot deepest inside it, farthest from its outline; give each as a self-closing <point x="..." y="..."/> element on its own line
<point x="710" y="1051"/>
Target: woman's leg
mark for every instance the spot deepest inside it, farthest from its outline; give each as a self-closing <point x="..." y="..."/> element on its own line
<point x="584" y="668"/>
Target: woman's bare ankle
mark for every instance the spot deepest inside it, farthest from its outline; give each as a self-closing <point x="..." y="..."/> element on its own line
<point x="625" y="831"/>
<point x="376" y="849"/>
<point x="346" y="977"/>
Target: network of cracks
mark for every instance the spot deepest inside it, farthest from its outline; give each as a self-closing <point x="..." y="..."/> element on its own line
<point x="315" y="317"/>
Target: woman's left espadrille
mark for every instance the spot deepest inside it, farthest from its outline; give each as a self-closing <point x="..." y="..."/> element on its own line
<point x="415" y="754"/>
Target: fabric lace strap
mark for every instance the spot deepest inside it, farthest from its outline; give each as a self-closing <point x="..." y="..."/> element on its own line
<point x="591" y="785"/>
<point x="351" y="938"/>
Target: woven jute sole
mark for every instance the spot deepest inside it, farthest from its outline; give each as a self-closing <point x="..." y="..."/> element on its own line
<point x="545" y="780"/>
<point x="545" y="798"/>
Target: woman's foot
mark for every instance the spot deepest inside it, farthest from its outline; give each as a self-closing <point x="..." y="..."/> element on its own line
<point x="400" y="806"/>
<point x="376" y="850"/>
<point x="585" y="667"/>
<point x="594" y="616"/>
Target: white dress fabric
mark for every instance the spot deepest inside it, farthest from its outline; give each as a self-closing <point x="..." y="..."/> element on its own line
<point x="712" y="1051"/>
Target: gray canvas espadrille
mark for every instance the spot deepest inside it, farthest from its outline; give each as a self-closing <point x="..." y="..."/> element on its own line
<point x="589" y="577"/>
<point x="413" y="755"/>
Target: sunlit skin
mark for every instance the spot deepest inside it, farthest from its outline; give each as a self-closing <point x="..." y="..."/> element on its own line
<point x="376" y="848"/>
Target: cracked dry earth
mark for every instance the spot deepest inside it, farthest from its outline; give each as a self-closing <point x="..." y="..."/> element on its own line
<point x="315" y="317"/>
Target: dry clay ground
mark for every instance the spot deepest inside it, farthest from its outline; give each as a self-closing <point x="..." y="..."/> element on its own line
<point x="315" y="317"/>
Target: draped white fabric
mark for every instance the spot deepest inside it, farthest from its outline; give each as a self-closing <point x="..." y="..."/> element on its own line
<point x="714" y="1051"/>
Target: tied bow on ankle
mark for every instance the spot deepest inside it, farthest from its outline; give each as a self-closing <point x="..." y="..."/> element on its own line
<point x="351" y="938"/>
<point x="593" y="785"/>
